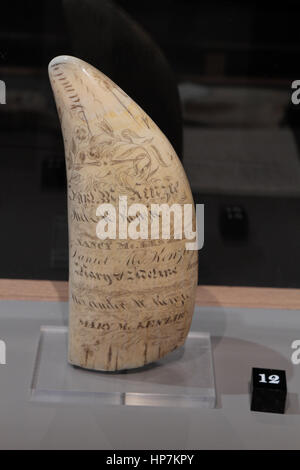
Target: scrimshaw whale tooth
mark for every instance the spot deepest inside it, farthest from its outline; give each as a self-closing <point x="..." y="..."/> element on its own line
<point x="131" y="301"/>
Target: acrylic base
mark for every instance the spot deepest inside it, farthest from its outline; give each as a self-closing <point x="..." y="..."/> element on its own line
<point x="183" y="378"/>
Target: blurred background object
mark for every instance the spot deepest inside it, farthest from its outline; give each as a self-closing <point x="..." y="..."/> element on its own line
<point x="218" y="73"/>
<point x="114" y="43"/>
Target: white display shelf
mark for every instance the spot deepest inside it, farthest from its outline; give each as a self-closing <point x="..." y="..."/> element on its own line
<point x="183" y="378"/>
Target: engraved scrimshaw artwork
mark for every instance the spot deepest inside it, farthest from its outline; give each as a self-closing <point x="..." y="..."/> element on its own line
<point x="130" y="301"/>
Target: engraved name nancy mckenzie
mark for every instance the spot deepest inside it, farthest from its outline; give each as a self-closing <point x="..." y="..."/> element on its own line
<point x="125" y="222"/>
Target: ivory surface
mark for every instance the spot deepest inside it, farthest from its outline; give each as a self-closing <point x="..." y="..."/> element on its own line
<point x="130" y="301"/>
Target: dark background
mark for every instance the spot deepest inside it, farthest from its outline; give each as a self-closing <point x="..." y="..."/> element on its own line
<point x="234" y="63"/>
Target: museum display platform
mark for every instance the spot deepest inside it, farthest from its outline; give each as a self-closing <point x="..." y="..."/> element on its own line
<point x="184" y="377"/>
<point x="241" y="337"/>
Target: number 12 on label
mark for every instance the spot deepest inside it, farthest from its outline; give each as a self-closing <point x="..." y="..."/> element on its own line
<point x="272" y="379"/>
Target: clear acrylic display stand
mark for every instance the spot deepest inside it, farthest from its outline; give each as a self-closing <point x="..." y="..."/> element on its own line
<point x="183" y="378"/>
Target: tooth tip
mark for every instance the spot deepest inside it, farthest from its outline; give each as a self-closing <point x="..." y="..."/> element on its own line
<point x="62" y="59"/>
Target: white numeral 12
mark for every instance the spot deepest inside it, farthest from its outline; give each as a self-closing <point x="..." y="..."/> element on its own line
<point x="272" y="379"/>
